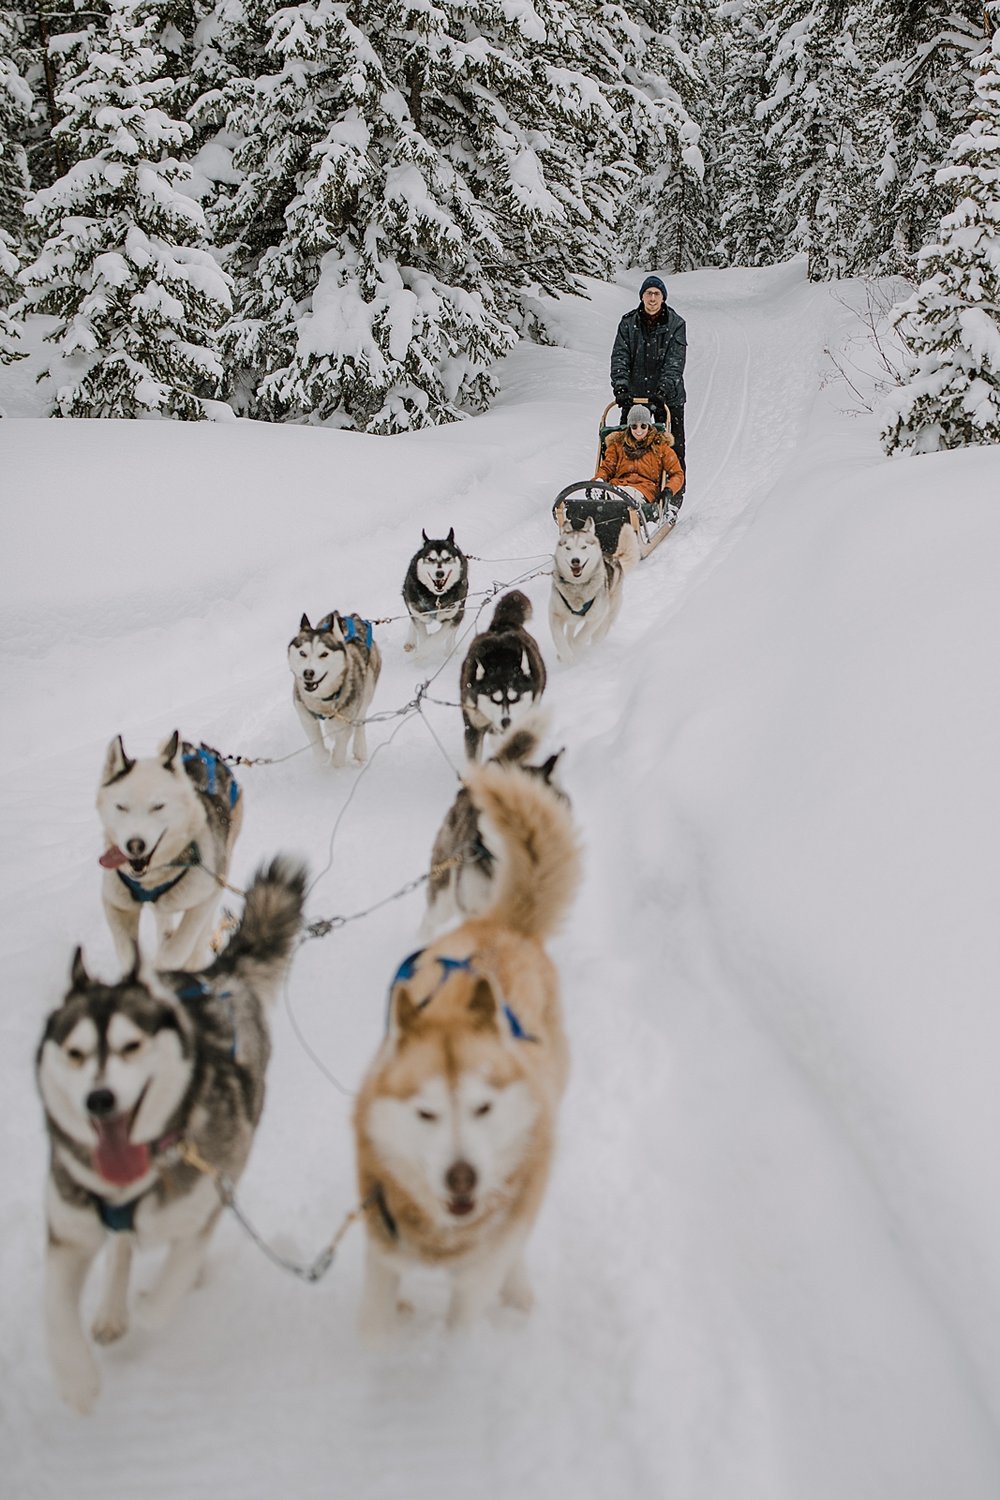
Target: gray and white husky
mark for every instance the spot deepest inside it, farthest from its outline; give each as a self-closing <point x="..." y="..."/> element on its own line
<point x="336" y="665"/>
<point x="434" y="591"/>
<point x="464" y="858"/>
<point x="170" y="822"/>
<point x="137" y="1077"/>
<point x="586" y="590"/>
<point x="503" y="674"/>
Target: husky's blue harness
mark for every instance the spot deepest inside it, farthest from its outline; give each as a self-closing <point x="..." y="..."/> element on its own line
<point x="589" y="604"/>
<point x="197" y="989"/>
<point x="408" y="968"/>
<point x="190" y="857"/>
<point x="192" y="854"/>
<point x="351" y="632"/>
<point x="210" y="761"/>
<point x="118" y="1217"/>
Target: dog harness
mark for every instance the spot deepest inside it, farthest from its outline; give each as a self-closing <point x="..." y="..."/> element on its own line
<point x="210" y="761"/>
<point x="189" y="857"/>
<point x="583" y="611"/>
<point x="351" y="632"/>
<point x="197" y="989"/>
<point x="408" y="968"/>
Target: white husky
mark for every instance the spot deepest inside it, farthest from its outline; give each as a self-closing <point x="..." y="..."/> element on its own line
<point x="586" y="588"/>
<point x="170" y="822"/>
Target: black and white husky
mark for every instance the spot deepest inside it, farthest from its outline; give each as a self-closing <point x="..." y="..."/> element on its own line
<point x="170" y="822"/>
<point x="135" y="1077"/>
<point x="463" y="860"/>
<point x="503" y="674"/>
<point x="434" y="591"/>
<point x="336" y="665"/>
<point x="586" y="589"/>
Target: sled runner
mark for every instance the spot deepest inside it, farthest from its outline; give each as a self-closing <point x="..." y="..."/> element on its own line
<point x="611" y="508"/>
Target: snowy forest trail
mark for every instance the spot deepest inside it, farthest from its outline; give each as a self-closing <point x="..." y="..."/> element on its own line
<point x="723" y="1310"/>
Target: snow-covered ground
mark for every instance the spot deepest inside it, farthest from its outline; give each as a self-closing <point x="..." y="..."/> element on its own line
<point x="766" y="1268"/>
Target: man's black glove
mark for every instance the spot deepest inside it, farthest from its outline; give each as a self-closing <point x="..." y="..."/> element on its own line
<point x="622" y="395"/>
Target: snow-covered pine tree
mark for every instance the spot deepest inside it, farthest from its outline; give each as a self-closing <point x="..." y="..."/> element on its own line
<point x="813" y="77"/>
<point x="54" y="39"/>
<point x="743" y="175"/>
<point x="951" y="325"/>
<point x="414" y="174"/>
<point x="124" y="266"/>
<point x="917" y="56"/>
<point x="665" y="55"/>
<point x="15" y="110"/>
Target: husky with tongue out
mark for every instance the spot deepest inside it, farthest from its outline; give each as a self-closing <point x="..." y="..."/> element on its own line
<point x="170" y="822"/>
<point x="132" y="1075"/>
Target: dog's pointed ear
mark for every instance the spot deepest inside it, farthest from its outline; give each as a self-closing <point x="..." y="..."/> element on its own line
<point x="525" y="664"/>
<point x="336" y="627"/>
<point x="480" y="671"/>
<point x="483" y="1005"/>
<point x="79" y="978"/>
<point x="404" y="1011"/>
<point x="169" y="749"/>
<point x="116" y="762"/>
<point x="451" y="536"/>
<point x="549" y="767"/>
<point x="304" y="623"/>
<point x="424" y="535"/>
<point x="591" y="526"/>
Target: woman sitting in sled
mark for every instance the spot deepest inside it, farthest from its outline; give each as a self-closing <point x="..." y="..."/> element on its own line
<point x="641" y="460"/>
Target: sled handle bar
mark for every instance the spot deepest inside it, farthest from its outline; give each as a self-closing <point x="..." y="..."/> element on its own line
<point x="587" y="485"/>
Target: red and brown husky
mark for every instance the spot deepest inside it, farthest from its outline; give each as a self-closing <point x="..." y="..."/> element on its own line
<point x="455" y="1121"/>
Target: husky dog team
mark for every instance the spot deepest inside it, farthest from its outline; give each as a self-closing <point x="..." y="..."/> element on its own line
<point x="152" y="1084"/>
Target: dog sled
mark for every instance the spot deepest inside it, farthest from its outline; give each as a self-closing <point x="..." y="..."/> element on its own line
<point x="612" y="508"/>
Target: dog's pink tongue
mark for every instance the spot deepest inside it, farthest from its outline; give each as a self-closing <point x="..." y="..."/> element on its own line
<point x="116" y="1158"/>
<point x="112" y="858"/>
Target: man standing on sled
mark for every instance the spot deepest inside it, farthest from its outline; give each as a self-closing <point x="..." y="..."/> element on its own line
<point x="647" y="360"/>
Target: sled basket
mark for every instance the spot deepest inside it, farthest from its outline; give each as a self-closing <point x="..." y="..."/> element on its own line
<point x="596" y="500"/>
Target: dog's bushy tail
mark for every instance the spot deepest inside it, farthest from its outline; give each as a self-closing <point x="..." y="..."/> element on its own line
<point x="512" y="611"/>
<point x="540" y="861"/>
<point x="271" y="919"/>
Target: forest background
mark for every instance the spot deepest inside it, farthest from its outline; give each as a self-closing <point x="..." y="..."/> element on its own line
<point x="347" y="213"/>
